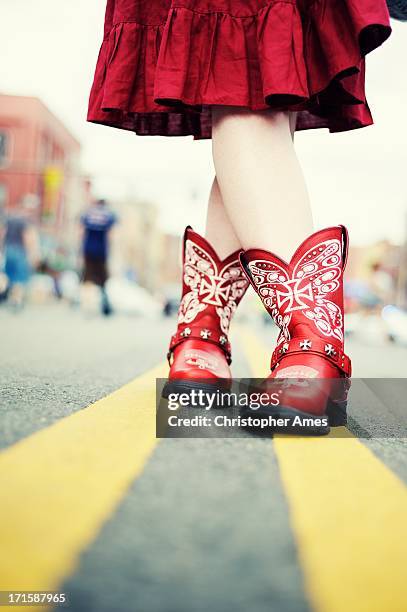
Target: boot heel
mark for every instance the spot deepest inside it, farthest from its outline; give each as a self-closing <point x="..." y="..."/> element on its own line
<point x="336" y="413"/>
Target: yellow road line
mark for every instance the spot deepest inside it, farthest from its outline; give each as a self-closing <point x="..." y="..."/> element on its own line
<point x="59" y="485"/>
<point x="348" y="512"/>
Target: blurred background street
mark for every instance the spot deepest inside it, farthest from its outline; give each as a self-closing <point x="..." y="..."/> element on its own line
<point x="54" y="167"/>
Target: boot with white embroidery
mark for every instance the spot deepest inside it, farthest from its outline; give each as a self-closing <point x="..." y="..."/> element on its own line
<point x="200" y="353"/>
<point x="305" y="299"/>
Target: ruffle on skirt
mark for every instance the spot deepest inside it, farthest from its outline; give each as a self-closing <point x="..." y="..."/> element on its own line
<point x="302" y="55"/>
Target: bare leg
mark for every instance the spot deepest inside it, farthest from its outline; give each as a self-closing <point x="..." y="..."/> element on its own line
<point x="260" y="179"/>
<point x="219" y="230"/>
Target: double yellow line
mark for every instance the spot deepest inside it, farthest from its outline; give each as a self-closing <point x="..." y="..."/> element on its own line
<point x="60" y="485"/>
<point x="348" y="512"/>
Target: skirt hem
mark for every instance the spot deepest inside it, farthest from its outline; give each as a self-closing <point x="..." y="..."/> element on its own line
<point x="163" y="79"/>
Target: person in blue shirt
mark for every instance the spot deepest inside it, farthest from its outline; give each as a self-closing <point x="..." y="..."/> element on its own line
<point x="97" y="223"/>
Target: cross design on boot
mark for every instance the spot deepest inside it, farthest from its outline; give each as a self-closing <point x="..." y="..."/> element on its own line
<point x="306" y="287"/>
<point x="215" y="289"/>
<point x="223" y="340"/>
<point x="329" y="350"/>
<point x="209" y="283"/>
<point x="186" y="332"/>
<point x="305" y="345"/>
<point x="205" y="334"/>
<point x="293" y="296"/>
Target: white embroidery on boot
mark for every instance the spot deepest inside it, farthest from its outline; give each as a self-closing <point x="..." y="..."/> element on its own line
<point x="222" y="288"/>
<point x="314" y="277"/>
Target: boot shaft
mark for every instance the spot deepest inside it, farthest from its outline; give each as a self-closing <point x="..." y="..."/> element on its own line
<point x="211" y="292"/>
<point x="211" y="288"/>
<point x="304" y="296"/>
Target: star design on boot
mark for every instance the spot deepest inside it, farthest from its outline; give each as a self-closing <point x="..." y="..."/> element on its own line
<point x="329" y="350"/>
<point x="205" y="334"/>
<point x="305" y="345"/>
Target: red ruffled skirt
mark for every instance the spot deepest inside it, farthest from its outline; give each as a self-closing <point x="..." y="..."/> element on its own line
<point x="164" y="63"/>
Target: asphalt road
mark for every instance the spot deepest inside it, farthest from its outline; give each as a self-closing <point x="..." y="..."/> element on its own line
<point x="204" y="524"/>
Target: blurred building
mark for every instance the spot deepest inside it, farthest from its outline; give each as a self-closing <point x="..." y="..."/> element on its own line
<point x="142" y="249"/>
<point x="39" y="165"/>
<point x="171" y="264"/>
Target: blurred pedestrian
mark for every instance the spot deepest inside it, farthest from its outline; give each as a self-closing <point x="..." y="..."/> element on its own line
<point x="21" y="254"/>
<point x="248" y="74"/>
<point x="97" y="223"/>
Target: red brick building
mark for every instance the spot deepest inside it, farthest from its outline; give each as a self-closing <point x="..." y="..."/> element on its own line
<point x="39" y="164"/>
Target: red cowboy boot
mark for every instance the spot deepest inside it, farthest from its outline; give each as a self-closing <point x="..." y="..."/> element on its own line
<point x="200" y="353"/>
<point x="305" y="299"/>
